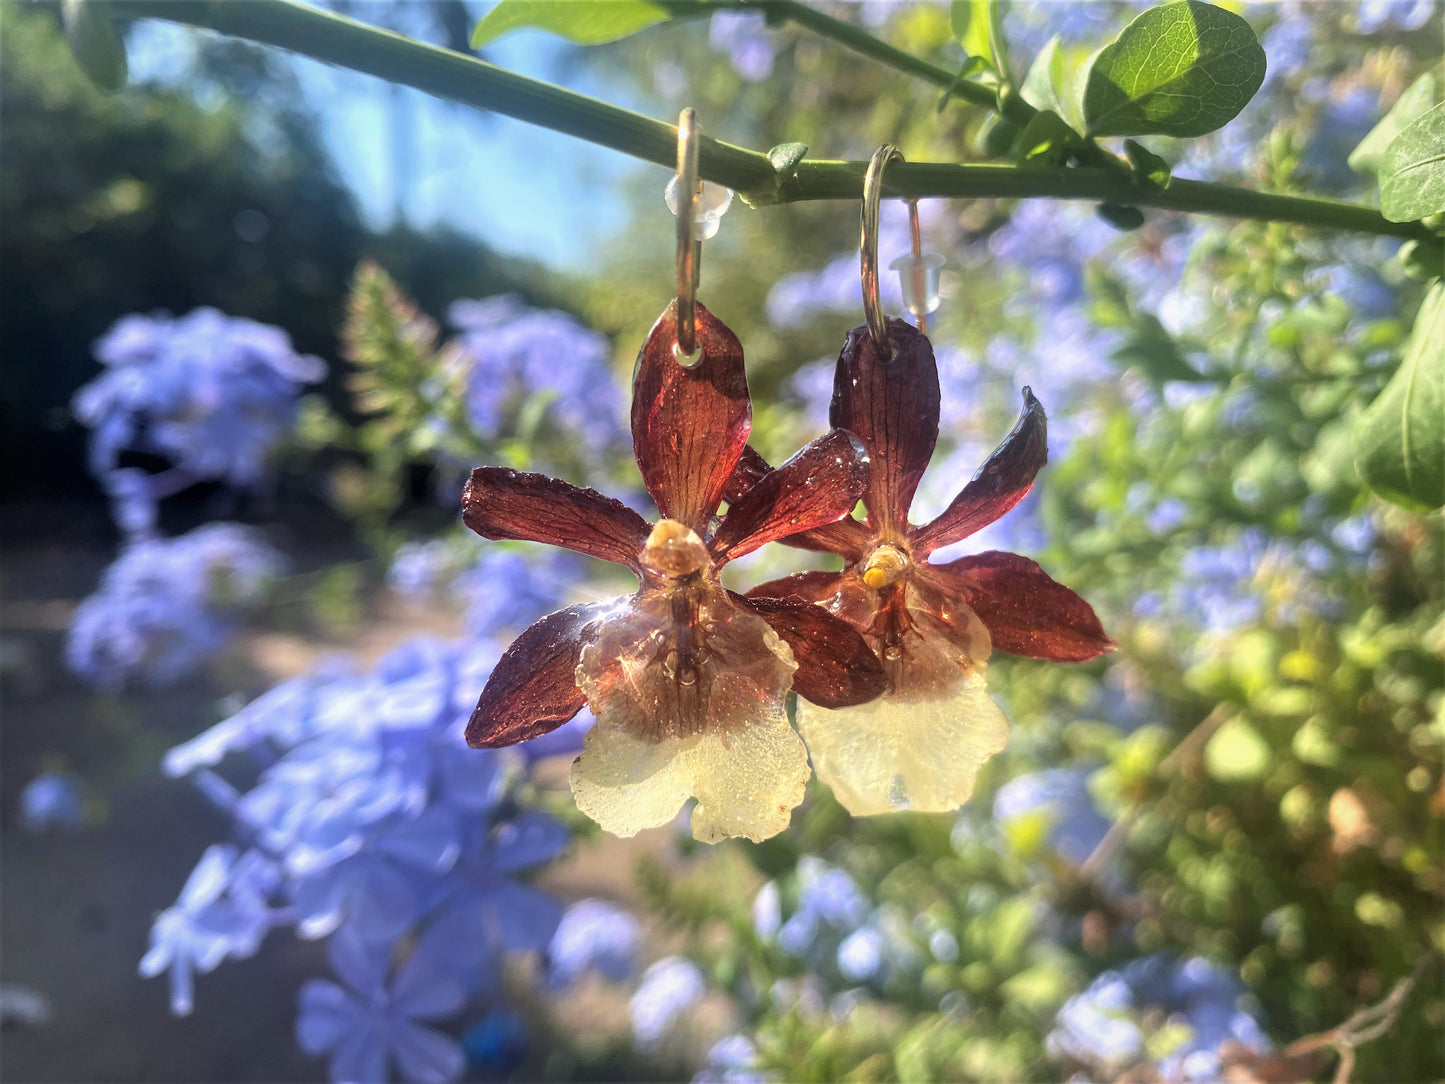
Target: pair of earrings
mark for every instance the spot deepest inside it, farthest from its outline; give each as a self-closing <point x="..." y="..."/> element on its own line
<point x="688" y="680"/>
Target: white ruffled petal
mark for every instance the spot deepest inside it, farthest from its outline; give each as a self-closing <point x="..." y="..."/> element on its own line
<point x="894" y="754"/>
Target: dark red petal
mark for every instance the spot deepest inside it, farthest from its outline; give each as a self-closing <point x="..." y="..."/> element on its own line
<point x="689" y="424"/>
<point x="893" y="406"/>
<point x="1025" y="611"/>
<point x="808" y="586"/>
<point x="533" y="688"/>
<point x="502" y="503"/>
<point x="847" y="538"/>
<point x="1004" y="479"/>
<point x="819" y="485"/>
<point x="748" y="473"/>
<point x="836" y="667"/>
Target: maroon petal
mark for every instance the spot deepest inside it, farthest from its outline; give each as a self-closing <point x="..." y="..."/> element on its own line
<point x="533" y="688"/>
<point x="836" y="667"/>
<point x="808" y="586"/>
<point x="893" y="406"/>
<point x="500" y="503"/>
<point x="819" y="485"/>
<point x="847" y="538"/>
<point x="1004" y="479"/>
<point x="690" y="423"/>
<point x="1025" y="611"/>
<point x="748" y="473"/>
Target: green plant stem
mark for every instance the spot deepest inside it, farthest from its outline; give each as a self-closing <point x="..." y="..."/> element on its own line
<point x="337" y="40"/>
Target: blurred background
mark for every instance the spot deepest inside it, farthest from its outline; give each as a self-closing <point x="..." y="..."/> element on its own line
<point x="258" y="317"/>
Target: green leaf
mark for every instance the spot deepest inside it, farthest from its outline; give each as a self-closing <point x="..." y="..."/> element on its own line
<point x="94" y="42"/>
<point x="1423" y="93"/>
<point x="1043" y="86"/>
<point x="1121" y="216"/>
<point x="784" y="158"/>
<point x="978" y="25"/>
<point x="1153" y="349"/>
<point x="590" y="23"/>
<point x="1400" y="438"/>
<point x="1046" y="138"/>
<point x="1236" y="753"/>
<point x="971" y="66"/>
<point x="1150" y="171"/>
<point x="1412" y="173"/>
<point x="1182" y="69"/>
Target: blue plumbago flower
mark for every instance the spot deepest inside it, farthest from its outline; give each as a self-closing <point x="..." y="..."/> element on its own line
<point x="862" y="954"/>
<point x="419" y="569"/>
<point x="380" y="826"/>
<point x="1215" y="582"/>
<point x="506" y="588"/>
<point x="731" y="1060"/>
<point x="669" y="989"/>
<point x="368" y="1024"/>
<point x="1179" y="1012"/>
<point x="514" y="352"/>
<point x="221" y="912"/>
<point x="743" y="36"/>
<point x="52" y="801"/>
<point x="594" y="935"/>
<point x="166" y="605"/>
<point x="214" y="394"/>
<point x="1059" y="799"/>
<point x="1345" y="119"/>
<point x="1399" y="14"/>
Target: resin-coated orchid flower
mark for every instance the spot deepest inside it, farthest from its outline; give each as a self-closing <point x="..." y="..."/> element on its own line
<point x="933" y="626"/>
<point x="688" y="681"/>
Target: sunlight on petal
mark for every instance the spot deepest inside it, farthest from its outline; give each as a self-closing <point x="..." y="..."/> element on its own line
<point x="746" y="783"/>
<point x="893" y="754"/>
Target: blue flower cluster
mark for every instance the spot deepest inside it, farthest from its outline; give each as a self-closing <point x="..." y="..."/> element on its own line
<point x="594" y="936"/>
<point x="515" y="353"/>
<point x="369" y="822"/>
<point x="1175" y="1013"/>
<point x="669" y="988"/>
<point x="211" y="393"/>
<point x="1052" y="808"/>
<point x="744" y="37"/>
<point x="165" y="606"/>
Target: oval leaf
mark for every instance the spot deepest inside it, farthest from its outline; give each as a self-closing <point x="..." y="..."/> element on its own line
<point x="1181" y="69"/>
<point x="1423" y="93"/>
<point x="1412" y="173"/>
<point x="1400" y="439"/>
<point x="94" y="42"/>
<point x="592" y="23"/>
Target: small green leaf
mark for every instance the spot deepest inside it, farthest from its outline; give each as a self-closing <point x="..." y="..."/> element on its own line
<point x="1043" y="87"/>
<point x="785" y="158"/>
<point x="1236" y="753"/>
<point x="1182" y="69"/>
<point x="1400" y="438"/>
<point x="1412" y="173"/>
<point x="1153" y="349"/>
<point x="1046" y="138"/>
<point x="978" y="25"/>
<point x="1150" y="171"/>
<point x="972" y="66"/>
<point x="1424" y="258"/>
<point x="590" y="23"/>
<point x="94" y="42"/>
<point x="996" y="136"/>
<point x="1423" y="93"/>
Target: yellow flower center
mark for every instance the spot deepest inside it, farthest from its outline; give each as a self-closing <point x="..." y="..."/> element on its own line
<point x="674" y="550"/>
<point x="886" y="565"/>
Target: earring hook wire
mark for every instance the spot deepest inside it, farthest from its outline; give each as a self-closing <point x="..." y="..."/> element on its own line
<point x="689" y="249"/>
<point x="868" y="247"/>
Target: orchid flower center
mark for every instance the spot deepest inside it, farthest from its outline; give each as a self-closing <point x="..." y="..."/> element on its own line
<point x="886" y="565"/>
<point x="673" y="550"/>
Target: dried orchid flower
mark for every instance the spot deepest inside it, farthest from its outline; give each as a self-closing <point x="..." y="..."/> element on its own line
<point x="688" y="680"/>
<point x="921" y="744"/>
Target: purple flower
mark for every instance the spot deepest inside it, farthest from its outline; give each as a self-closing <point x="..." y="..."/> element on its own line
<point x="221" y="912"/>
<point x="1401" y="14"/>
<point x="368" y="1024"/>
<point x="505" y="589"/>
<point x="1125" y="1013"/>
<point x="213" y="394"/>
<point x="731" y="1060"/>
<point x="496" y="1044"/>
<point x="419" y="568"/>
<point x="594" y="935"/>
<point x="513" y="353"/>
<point x="860" y="956"/>
<point x="52" y="801"/>
<point x="743" y="36"/>
<point x="669" y="989"/>
<point x="1074" y="828"/>
<point x="166" y="605"/>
